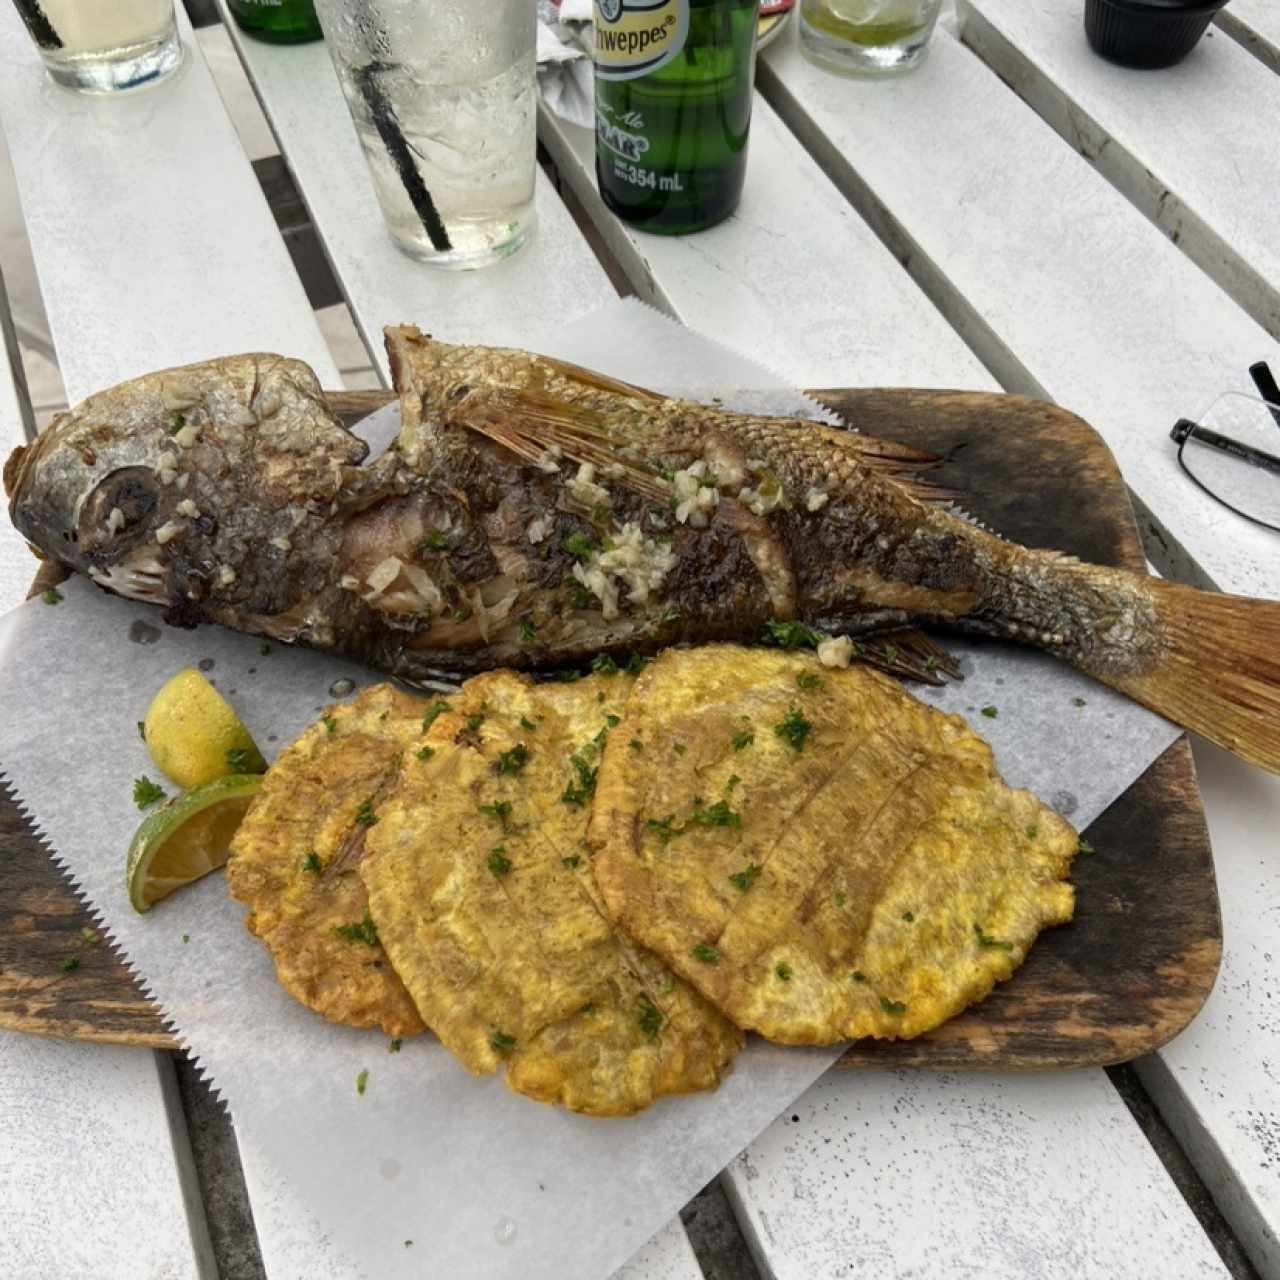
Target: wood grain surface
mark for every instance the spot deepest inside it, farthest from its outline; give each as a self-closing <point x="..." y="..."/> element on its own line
<point x="1122" y="979"/>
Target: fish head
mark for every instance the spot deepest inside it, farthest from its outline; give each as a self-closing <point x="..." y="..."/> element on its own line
<point x="108" y="485"/>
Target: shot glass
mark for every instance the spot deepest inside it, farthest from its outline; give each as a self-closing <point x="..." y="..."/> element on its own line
<point x="867" y="37"/>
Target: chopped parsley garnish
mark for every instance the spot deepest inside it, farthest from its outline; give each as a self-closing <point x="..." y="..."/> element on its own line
<point x="51" y="595"/>
<point x="436" y="540"/>
<point x="745" y="878"/>
<point x="840" y="899"/>
<point x="145" y="792"/>
<point x="783" y="972"/>
<point x="142" y="731"/>
<point x="805" y="680"/>
<point x="573" y="862"/>
<point x="186" y="937"/>
<point x="931" y="664"/>
<point x="70" y="963"/>
<point x="651" y="1018"/>
<point x="636" y="745"/>
<point x="612" y="721"/>
<point x="265" y="649"/>
<point x="500" y="1042"/>
<point x="580" y="597"/>
<point x="176" y="422"/>
<point x="474" y="722"/>
<point x="394" y="1046"/>
<point x="366" y="931"/>
<point x="705" y="952"/>
<point x="788" y="635"/>
<point x="734" y="780"/>
<point x="1078" y="702"/>
<point x="909" y="917"/>
<point x="1086" y="847"/>
<point x="672" y="615"/>
<point x="330" y="724"/>
<point x="498" y="862"/>
<point x="680" y="748"/>
<point x="986" y="940"/>
<point x="90" y="936"/>
<point x="460" y="615"/>
<point x="526" y="723"/>
<point x="512" y="762"/>
<point x="991" y="712"/>
<point x="662" y="828"/>
<point x="578" y="544"/>
<point x="312" y="863"/>
<point x="365" y="816"/>
<point x="500" y="809"/>
<point x="890" y="653"/>
<point x="604" y="665"/>
<point x="793" y="730"/>
<point x="635" y="664"/>
<point x="425" y="753"/>
<point x="238" y="759"/>
<point x="858" y="976"/>
<point x="434" y="712"/>
<point x="742" y="739"/>
<point x="1032" y="832"/>
<point x="716" y="815"/>
<point x="528" y="632"/>
<point x="576" y="794"/>
<point x="362" y="1081"/>
<point x="892" y="1006"/>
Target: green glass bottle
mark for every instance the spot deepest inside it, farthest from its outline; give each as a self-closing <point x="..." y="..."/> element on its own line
<point x="280" y="21"/>
<point x="673" y="108"/>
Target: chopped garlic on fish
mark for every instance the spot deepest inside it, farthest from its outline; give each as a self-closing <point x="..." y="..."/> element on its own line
<point x="761" y="500"/>
<point x="382" y="576"/>
<point x="694" y="500"/>
<point x="835" y="651"/>
<point x="724" y="465"/>
<point x="550" y="460"/>
<point x="815" y="500"/>
<point x="632" y="560"/>
<point x="583" y="487"/>
<point x="182" y="481"/>
<point x="170" y="529"/>
<point x="226" y="575"/>
<point x="115" y="520"/>
<point x="282" y="544"/>
<point x="540" y="527"/>
<point x="349" y="582"/>
<point x="186" y="436"/>
<point x="187" y="508"/>
<point x="425" y="587"/>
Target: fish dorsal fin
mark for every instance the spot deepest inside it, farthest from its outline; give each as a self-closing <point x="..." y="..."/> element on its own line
<point x="541" y="429"/>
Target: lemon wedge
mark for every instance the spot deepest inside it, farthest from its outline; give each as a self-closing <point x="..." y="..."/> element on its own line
<point x="194" y="735"/>
<point x="187" y="837"/>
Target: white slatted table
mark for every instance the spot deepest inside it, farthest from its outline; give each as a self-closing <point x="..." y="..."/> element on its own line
<point x="994" y="217"/>
<point x="1256" y="24"/>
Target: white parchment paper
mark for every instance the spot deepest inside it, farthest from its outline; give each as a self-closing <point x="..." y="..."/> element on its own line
<point x="485" y="1184"/>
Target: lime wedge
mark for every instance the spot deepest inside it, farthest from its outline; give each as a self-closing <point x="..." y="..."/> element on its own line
<point x="194" y="735"/>
<point x="187" y="837"/>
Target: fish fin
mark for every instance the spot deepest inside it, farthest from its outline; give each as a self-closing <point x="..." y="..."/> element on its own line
<point x="533" y="425"/>
<point x="1219" y="674"/>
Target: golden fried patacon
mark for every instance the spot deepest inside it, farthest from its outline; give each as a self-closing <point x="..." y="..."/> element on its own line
<point x="823" y="856"/>
<point x="480" y="882"/>
<point x="294" y="860"/>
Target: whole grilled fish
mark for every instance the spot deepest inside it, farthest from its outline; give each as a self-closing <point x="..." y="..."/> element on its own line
<point x="532" y="513"/>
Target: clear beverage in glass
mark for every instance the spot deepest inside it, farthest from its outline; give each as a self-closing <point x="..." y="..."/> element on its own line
<point x="443" y="97"/>
<point x="101" y="46"/>
<point x="867" y="37"/>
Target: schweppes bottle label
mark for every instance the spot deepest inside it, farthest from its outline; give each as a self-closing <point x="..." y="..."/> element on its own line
<point x="635" y="37"/>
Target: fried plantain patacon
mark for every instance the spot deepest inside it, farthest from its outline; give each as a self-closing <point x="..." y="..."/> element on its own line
<point x="480" y="883"/>
<point x="294" y="860"/>
<point x="820" y="854"/>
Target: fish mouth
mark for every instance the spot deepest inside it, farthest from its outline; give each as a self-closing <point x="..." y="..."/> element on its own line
<point x="139" y="576"/>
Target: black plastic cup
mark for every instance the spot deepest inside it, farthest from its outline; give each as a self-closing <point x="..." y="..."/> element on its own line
<point x="1147" y="33"/>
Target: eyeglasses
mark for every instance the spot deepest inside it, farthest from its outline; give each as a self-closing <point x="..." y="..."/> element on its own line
<point x="1233" y="450"/>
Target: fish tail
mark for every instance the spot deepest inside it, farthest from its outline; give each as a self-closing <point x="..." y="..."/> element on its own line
<point x="1218" y="671"/>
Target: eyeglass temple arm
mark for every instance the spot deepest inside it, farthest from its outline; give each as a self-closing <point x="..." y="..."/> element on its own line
<point x="1267" y="389"/>
<point x="1247" y="453"/>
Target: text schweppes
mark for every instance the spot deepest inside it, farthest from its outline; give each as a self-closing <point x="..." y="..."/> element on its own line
<point x="635" y="37"/>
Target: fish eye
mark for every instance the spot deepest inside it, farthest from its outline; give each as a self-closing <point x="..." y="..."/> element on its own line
<point x="118" y="509"/>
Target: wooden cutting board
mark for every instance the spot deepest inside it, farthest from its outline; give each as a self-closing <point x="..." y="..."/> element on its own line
<point x="1128" y="974"/>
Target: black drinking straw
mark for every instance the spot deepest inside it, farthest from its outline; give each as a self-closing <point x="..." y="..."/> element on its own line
<point x="38" y="24"/>
<point x="388" y="126"/>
